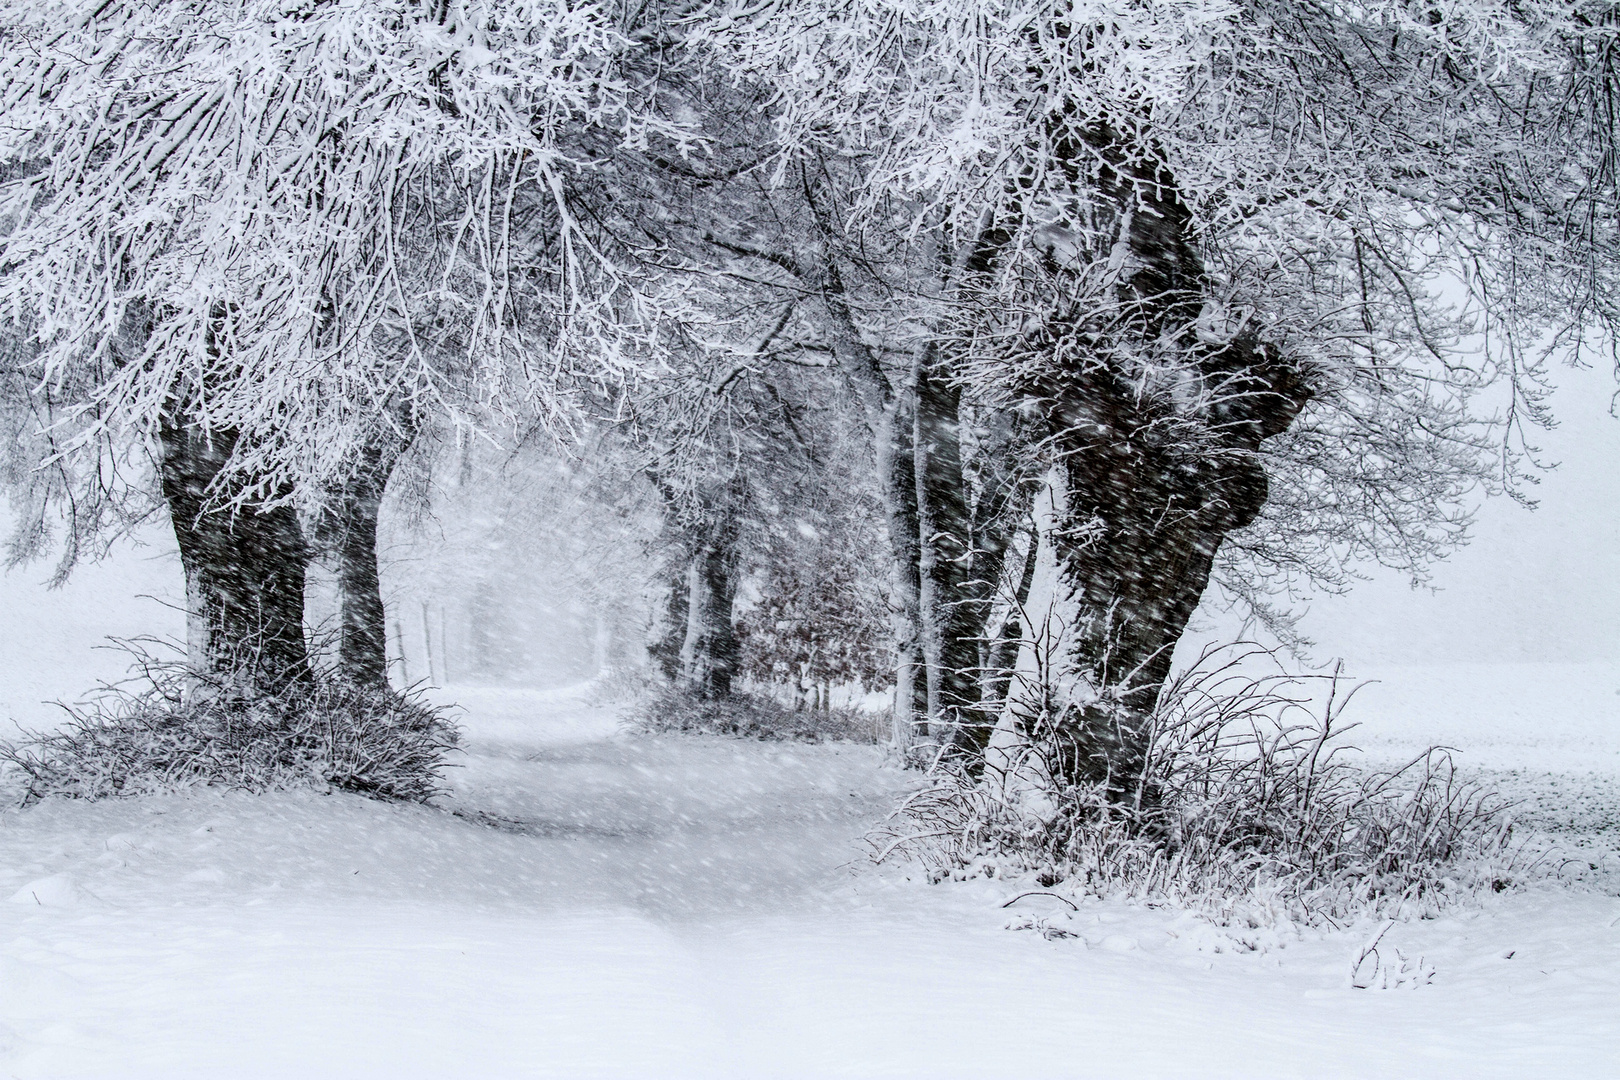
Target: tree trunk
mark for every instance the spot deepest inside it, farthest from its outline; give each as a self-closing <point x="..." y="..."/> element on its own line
<point x="666" y="650"/>
<point x="348" y="530"/>
<point x="897" y="478"/>
<point x="1135" y="547"/>
<point x="950" y="632"/>
<point x="710" y="652"/>
<point x="1154" y="485"/>
<point x="362" y="625"/>
<point x="1001" y="653"/>
<point x="244" y="571"/>
<point x="941" y="586"/>
<point x="889" y="417"/>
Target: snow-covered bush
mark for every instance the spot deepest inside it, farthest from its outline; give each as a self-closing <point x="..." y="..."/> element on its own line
<point x="749" y="716"/>
<point x="328" y="734"/>
<point x="1250" y="808"/>
<point x="821" y="618"/>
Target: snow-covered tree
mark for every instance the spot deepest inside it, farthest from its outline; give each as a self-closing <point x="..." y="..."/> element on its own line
<point x="1245" y="266"/>
<point x="733" y="454"/>
<point x="275" y="238"/>
<point x="819" y="616"/>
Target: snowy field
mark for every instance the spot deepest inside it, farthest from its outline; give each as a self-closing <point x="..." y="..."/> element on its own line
<point x="600" y="905"/>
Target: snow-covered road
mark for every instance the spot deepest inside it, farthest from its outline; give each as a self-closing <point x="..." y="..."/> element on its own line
<point x="610" y="906"/>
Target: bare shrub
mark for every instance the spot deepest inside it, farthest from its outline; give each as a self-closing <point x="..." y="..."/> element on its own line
<point x="1250" y="807"/>
<point x="170" y="734"/>
<point x="749" y="716"/>
<point x="620" y="686"/>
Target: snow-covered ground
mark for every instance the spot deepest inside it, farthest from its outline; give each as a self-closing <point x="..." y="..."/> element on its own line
<point x="603" y="905"/>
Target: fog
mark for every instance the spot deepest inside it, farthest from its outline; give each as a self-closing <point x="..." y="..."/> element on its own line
<point x="1538" y="584"/>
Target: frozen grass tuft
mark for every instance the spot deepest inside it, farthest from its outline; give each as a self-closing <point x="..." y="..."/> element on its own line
<point x="749" y="716"/>
<point x="328" y="734"/>
<point x="1251" y="809"/>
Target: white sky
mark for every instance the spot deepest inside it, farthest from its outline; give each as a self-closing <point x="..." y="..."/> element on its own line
<point x="1533" y="585"/>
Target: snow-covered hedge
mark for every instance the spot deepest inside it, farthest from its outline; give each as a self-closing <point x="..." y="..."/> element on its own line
<point x="750" y="716"/>
<point x="327" y="734"/>
<point x="1252" y="808"/>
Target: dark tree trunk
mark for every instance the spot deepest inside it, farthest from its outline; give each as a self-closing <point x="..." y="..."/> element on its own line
<point x="1135" y="549"/>
<point x="698" y="649"/>
<point x="1153" y="486"/>
<point x="950" y="617"/>
<point x="665" y="651"/>
<point x="244" y="570"/>
<point x="1005" y="495"/>
<point x="710" y="652"/>
<point x="362" y="624"/>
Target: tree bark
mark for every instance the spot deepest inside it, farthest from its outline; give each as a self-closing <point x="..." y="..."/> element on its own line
<point x="362" y="622"/>
<point x="896" y="465"/>
<point x="665" y="651"/>
<point x="1153" y="486"/>
<point x="244" y="570"/>
<point x="949" y="616"/>
<point x="346" y="533"/>
<point x="710" y="653"/>
<point x="1001" y="651"/>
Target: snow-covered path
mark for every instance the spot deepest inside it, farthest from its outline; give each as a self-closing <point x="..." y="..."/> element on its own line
<point x="606" y="906"/>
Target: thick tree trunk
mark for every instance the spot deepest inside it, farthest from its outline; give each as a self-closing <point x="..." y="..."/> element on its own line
<point x="244" y="571"/>
<point x="949" y="618"/>
<point x="1154" y="484"/>
<point x="1135" y="549"/>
